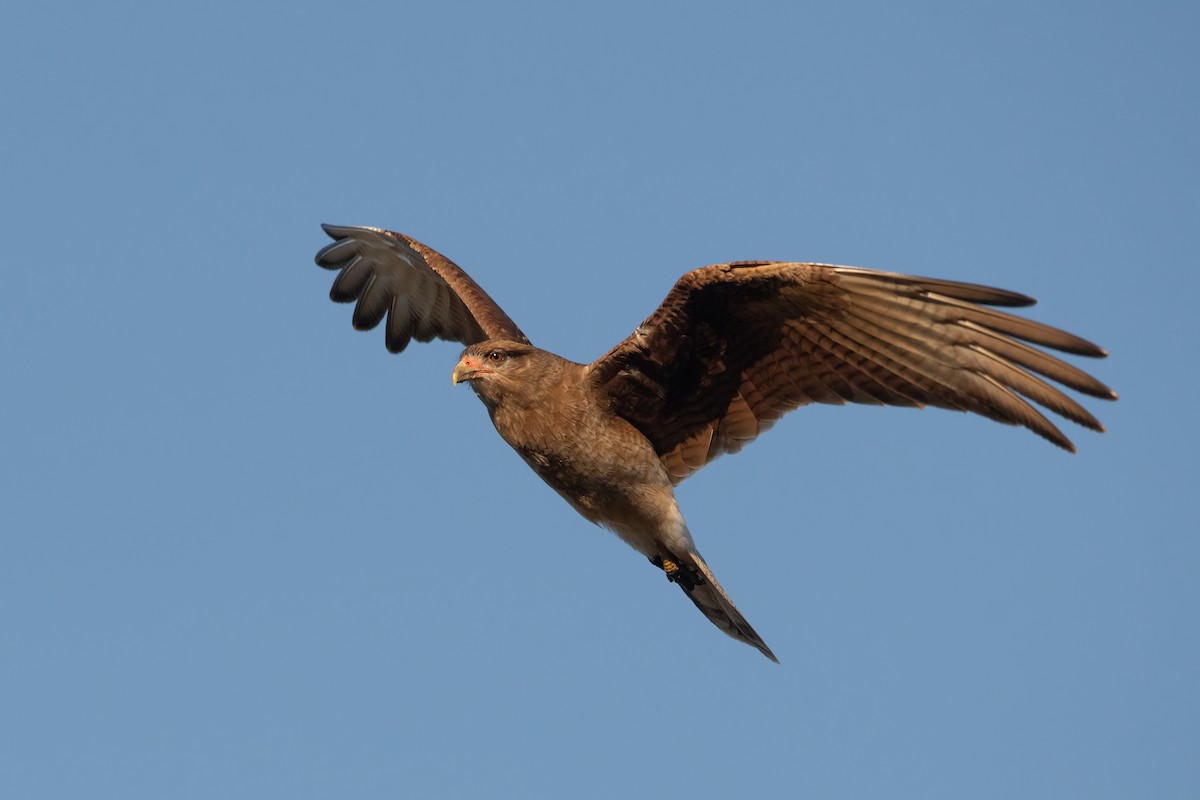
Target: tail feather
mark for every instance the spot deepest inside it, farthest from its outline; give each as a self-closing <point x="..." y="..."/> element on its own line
<point x="711" y="599"/>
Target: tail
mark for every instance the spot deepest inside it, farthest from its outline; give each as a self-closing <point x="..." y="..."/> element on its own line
<point x="701" y="587"/>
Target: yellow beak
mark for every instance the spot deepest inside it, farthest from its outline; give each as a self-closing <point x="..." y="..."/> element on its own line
<point x="462" y="372"/>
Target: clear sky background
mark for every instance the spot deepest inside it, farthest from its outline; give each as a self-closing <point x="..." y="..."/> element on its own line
<point x="245" y="552"/>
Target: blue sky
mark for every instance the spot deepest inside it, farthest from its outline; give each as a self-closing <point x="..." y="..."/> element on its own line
<point x="248" y="553"/>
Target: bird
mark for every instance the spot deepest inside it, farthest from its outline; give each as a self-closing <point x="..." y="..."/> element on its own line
<point x="731" y="349"/>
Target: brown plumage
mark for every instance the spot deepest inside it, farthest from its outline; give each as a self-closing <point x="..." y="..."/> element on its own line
<point x="731" y="349"/>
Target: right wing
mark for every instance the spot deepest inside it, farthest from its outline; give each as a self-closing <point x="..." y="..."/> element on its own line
<point x="423" y="294"/>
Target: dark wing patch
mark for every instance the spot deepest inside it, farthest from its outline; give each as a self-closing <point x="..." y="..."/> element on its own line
<point x="736" y="346"/>
<point x="423" y="294"/>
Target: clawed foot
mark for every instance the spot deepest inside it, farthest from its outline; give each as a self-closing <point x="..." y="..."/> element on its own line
<point x="687" y="578"/>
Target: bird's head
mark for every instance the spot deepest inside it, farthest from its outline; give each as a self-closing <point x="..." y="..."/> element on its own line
<point x="496" y="367"/>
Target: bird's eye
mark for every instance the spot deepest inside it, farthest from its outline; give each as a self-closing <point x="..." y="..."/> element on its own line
<point x="495" y="356"/>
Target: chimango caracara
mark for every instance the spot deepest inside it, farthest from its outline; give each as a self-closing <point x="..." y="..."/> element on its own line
<point x="731" y="349"/>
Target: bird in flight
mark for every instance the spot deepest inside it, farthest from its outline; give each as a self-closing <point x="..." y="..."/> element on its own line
<point x="731" y="349"/>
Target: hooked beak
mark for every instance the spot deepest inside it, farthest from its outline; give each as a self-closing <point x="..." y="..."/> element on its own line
<point x="466" y="371"/>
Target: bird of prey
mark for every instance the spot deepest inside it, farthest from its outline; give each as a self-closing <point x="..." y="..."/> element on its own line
<point x="731" y="349"/>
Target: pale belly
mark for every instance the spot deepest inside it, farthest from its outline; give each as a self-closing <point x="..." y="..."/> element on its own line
<point x="638" y="507"/>
<point x="604" y="468"/>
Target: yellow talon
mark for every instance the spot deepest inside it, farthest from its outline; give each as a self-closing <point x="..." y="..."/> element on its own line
<point x="671" y="568"/>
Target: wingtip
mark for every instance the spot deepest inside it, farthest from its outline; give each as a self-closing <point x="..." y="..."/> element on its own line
<point x="1014" y="300"/>
<point x="336" y="231"/>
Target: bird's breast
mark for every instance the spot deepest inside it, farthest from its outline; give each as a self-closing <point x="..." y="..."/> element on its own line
<point x="596" y="461"/>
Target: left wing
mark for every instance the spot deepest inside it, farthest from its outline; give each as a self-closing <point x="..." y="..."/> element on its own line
<point x="733" y="347"/>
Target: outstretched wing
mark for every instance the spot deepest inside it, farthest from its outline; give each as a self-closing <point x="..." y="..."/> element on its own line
<point x="423" y="294"/>
<point x="735" y="346"/>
